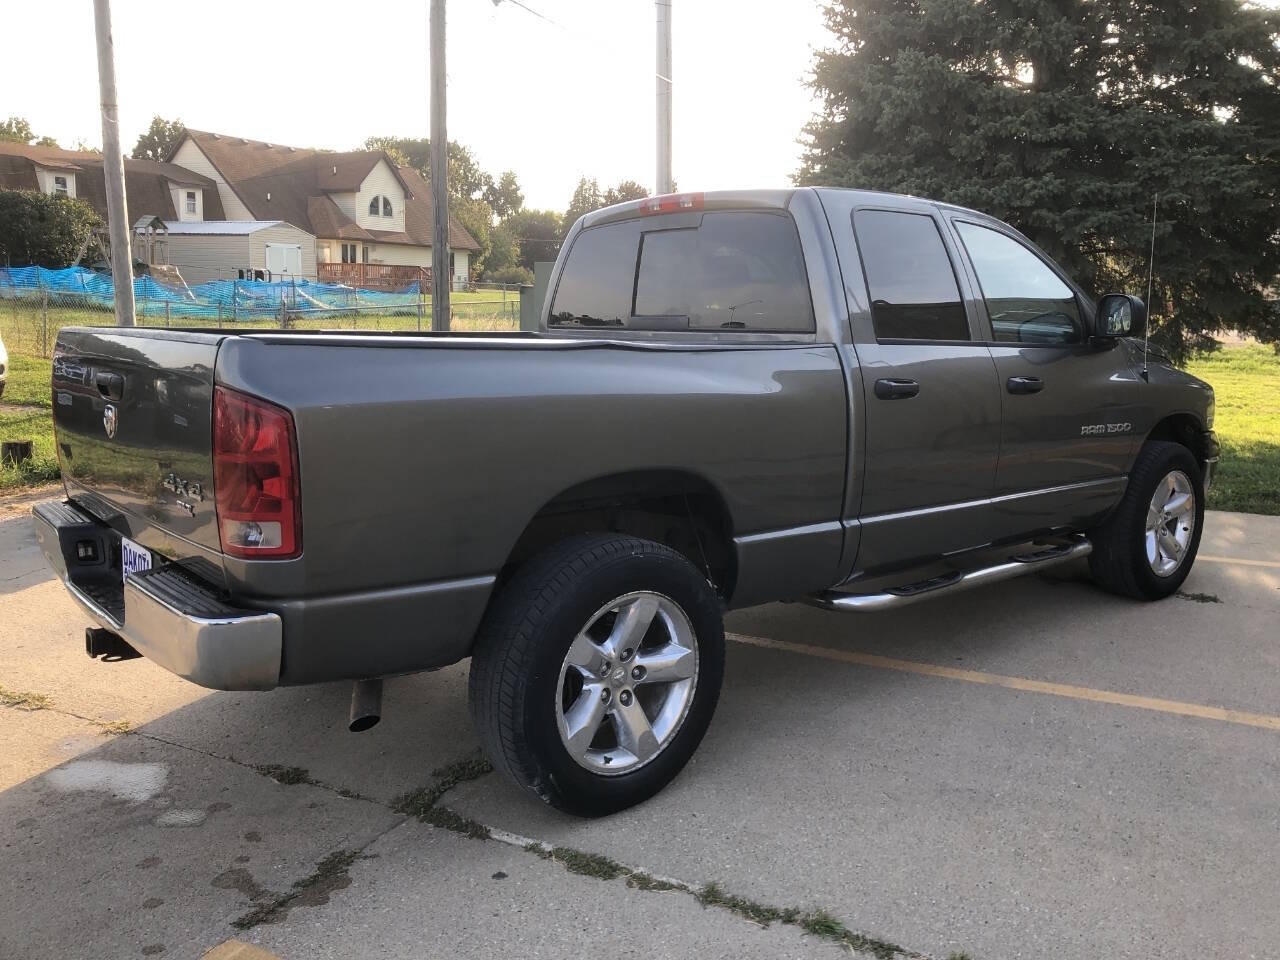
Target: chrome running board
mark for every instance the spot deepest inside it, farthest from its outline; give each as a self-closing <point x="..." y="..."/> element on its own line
<point x="1018" y="565"/>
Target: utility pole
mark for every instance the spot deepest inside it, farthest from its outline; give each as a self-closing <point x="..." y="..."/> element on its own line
<point x="440" y="274"/>
<point x="664" y="184"/>
<point x="113" y="169"/>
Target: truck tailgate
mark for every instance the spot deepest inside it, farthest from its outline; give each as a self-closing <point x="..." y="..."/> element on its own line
<point x="132" y="413"/>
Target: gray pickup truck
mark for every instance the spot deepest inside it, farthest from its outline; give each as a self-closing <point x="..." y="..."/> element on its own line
<point x="855" y="399"/>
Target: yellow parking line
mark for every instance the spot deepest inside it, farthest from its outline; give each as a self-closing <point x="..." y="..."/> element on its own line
<point x="1273" y="564"/>
<point x="1018" y="683"/>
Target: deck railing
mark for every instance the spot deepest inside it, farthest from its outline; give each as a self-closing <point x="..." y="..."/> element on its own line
<point x="375" y="276"/>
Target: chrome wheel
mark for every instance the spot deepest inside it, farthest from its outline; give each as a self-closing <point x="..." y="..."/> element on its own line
<point x="1171" y="522"/>
<point x="626" y="683"/>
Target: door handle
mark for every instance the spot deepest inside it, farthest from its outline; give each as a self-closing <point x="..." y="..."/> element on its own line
<point x="896" y="389"/>
<point x="1024" y="384"/>
<point x="110" y="385"/>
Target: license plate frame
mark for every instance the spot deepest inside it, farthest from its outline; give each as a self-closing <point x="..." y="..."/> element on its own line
<point x="134" y="558"/>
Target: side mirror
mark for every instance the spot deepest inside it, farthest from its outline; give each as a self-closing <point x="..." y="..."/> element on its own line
<point x="1120" y="315"/>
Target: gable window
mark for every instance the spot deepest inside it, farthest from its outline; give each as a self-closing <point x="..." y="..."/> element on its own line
<point x="191" y="201"/>
<point x="386" y="206"/>
<point x="374" y="207"/>
<point x="60" y="186"/>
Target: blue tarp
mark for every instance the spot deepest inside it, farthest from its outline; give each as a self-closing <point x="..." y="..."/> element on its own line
<point x="238" y="299"/>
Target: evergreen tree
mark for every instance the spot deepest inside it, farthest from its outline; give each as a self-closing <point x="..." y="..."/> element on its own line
<point x="1065" y="117"/>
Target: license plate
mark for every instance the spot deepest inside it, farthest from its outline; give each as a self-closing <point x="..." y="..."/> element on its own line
<point x="133" y="558"/>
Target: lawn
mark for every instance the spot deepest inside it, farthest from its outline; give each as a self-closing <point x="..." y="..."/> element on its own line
<point x="1246" y="383"/>
<point x="28" y="384"/>
<point x="1245" y="379"/>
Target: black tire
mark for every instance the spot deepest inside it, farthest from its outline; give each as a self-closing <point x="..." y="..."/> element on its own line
<point x="1119" y="560"/>
<point x="522" y="645"/>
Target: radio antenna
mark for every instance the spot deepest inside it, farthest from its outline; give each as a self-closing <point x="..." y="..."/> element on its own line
<point x="1151" y="269"/>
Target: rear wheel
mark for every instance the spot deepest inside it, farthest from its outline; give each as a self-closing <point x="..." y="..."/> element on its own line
<point x="597" y="670"/>
<point x="1147" y="546"/>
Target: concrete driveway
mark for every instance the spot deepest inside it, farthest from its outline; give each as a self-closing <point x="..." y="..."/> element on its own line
<point x="1036" y="769"/>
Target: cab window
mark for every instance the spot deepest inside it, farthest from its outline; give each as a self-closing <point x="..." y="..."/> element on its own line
<point x="1026" y="300"/>
<point x="724" y="271"/>
<point x="914" y="294"/>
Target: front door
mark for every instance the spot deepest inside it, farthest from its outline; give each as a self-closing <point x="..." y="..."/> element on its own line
<point x="932" y="422"/>
<point x="1068" y="405"/>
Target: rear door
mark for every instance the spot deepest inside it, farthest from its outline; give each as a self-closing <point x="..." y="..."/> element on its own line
<point x="1068" y="405"/>
<point x="932" y="429"/>
<point x="133" y="424"/>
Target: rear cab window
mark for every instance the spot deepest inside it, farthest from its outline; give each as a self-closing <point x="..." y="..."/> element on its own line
<point x="720" y="271"/>
<point x="910" y="278"/>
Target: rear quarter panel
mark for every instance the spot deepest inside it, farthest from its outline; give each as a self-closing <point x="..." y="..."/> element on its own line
<point x="423" y="461"/>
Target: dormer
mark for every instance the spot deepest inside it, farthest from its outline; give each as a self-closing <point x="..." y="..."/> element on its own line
<point x="188" y="201"/>
<point x="60" y="181"/>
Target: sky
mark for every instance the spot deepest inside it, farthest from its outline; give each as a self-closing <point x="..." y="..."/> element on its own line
<point x="550" y="100"/>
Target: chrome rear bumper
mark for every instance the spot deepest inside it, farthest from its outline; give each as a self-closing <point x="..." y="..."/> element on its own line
<point x="166" y="614"/>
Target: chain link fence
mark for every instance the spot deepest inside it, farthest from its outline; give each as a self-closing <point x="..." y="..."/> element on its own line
<point x="36" y="303"/>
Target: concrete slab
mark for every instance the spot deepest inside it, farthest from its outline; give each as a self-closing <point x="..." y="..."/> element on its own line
<point x="453" y="897"/>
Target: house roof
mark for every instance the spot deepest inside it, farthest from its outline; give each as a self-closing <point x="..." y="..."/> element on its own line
<point x="224" y="228"/>
<point x="295" y="183"/>
<point x="146" y="181"/>
<point x="419" y="214"/>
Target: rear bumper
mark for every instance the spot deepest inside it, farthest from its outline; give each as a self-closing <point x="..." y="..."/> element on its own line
<point x="167" y="615"/>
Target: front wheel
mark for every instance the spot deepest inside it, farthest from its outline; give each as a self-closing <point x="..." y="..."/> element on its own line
<point x="597" y="670"/>
<point x="1145" y="549"/>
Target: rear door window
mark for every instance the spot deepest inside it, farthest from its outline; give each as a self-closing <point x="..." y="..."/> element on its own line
<point x="1026" y="300"/>
<point x="732" y="270"/>
<point x="914" y="294"/>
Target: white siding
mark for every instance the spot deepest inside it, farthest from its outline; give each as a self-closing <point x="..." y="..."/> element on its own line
<point x="399" y="253"/>
<point x="179" y="194"/>
<point x="203" y="257"/>
<point x="45" y="179"/>
<point x="284" y="233"/>
<point x="381" y="182"/>
<point x="193" y="158"/>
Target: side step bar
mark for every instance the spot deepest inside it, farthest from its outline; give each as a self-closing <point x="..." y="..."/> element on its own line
<point x="1018" y="565"/>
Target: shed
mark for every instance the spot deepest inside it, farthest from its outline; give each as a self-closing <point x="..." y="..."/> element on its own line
<point x="204" y="250"/>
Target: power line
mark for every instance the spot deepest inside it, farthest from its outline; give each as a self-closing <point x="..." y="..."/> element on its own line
<point x="529" y="9"/>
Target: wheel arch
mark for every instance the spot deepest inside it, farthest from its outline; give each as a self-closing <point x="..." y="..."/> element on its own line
<point x="675" y="507"/>
<point x="1186" y="429"/>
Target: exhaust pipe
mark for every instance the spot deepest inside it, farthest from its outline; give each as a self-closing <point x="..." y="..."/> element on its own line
<point x="366" y="704"/>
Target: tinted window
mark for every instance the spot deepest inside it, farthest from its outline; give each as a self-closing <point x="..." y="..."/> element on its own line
<point x="598" y="278"/>
<point x="734" y="271"/>
<point x="914" y="295"/>
<point x="738" y="271"/>
<point x="1027" y="301"/>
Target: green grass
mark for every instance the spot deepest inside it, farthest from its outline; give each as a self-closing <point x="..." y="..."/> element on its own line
<point x="1246" y="384"/>
<point x="28" y="381"/>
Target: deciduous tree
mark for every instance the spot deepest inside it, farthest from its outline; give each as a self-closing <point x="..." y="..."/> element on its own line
<point x="161" y="137"/>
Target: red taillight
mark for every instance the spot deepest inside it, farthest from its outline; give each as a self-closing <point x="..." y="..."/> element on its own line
<point x="671" y="203"/>
<point x="255" y="477"/>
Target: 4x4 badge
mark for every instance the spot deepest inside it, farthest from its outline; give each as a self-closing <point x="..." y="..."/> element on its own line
<point x="110" y="420"/>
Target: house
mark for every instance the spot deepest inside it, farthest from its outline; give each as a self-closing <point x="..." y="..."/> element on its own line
<point x="163" y="190"/>
<point x="371" y="219"/>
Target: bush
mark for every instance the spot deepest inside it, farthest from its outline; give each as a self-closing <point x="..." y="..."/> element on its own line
<point x="40" y="229"/>
<point x="513" y="273"/>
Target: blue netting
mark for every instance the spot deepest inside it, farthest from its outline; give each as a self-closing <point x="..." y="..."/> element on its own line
<point x="228" y="299"/>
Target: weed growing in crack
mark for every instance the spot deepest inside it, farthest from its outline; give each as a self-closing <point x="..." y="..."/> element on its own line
<point x="424" y="802"/>
<point x="25" y="700"/>
<point x="289" y="776"/>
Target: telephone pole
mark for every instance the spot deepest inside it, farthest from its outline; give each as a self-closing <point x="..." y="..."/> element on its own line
<point x="440" y="273"/>
<point x="664" y="184"/>
<point x="113" y="169"/>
